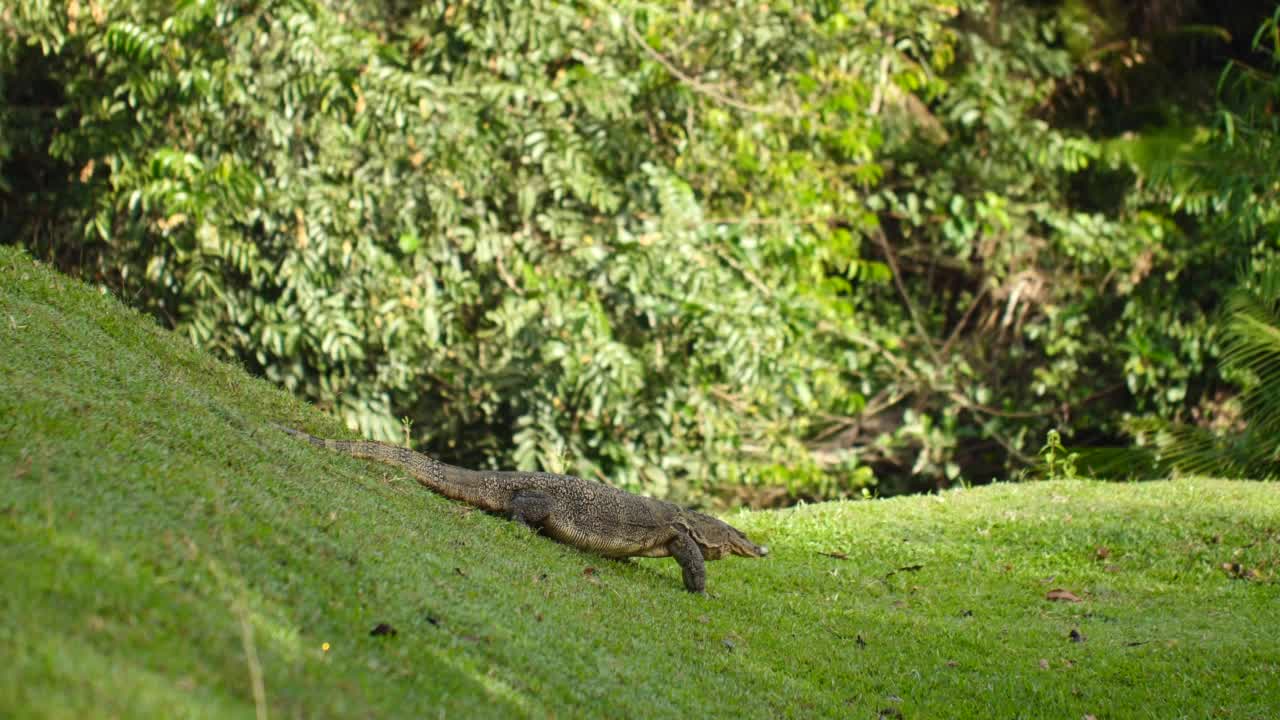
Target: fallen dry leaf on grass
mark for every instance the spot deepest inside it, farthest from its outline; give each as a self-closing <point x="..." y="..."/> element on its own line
<point x="1240" y="572"/>
<point x="1063" y="595"/>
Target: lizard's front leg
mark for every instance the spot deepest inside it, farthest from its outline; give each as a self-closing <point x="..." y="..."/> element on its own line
<point x="689" y="555"/>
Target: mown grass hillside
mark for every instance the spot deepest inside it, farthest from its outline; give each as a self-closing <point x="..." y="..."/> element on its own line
<point x="165" y="554"/>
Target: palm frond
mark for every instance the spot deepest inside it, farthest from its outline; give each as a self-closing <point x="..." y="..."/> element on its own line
<point x="1251" y="353"/>
<point x="1252" y="348"/>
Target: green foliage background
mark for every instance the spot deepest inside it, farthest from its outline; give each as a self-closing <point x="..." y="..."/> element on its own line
<point x="744" y="251"/>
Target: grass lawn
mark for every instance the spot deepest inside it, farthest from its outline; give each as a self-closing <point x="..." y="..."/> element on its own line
<point x="165" y="554"/>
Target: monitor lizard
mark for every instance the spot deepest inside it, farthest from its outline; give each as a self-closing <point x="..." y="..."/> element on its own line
<point x="586" y="514"/>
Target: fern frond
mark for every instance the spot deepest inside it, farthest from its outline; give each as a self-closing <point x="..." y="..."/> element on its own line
<point x="1251" y="349"/>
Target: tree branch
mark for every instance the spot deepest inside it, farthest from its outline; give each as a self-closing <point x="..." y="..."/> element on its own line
<point x="696" y="85"/>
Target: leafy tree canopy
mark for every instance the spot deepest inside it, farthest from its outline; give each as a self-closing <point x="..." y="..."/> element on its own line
<point x="751" y="250"/>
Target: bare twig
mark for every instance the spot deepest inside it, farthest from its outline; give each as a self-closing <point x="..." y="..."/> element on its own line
<point x="902" y="290"/>
<point x="695" y="84"/>
<point x="810" y="220"/>
<point x="1009" y="448"/>
<point x="1067" y="407"/>
<point x="964" y="320"/>
<point x="883" y="400"/>
<point x="737" y="402"/>
<point x="723" y="253"/>
<point x="506" y="276"/>
<point x="878" y="96"/>
<point x="968" y="404"/>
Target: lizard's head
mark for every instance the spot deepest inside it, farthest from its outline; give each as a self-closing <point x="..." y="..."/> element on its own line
<point x="717" y="539"/>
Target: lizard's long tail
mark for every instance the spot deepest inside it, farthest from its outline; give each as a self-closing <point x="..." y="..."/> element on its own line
<point x="456" y="483"/>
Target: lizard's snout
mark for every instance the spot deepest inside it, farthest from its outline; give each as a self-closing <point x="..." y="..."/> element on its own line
<point x="746" y="548"/>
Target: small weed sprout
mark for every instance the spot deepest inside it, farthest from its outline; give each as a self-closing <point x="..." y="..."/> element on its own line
<point x="406" y="423"/>
<point x="1059" y="463"/>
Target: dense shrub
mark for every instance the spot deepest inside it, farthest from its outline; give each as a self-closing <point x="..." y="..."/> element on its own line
<point x="689" y="248"/>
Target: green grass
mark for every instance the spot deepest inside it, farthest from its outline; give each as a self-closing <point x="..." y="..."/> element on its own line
<point x="160" y="548"/>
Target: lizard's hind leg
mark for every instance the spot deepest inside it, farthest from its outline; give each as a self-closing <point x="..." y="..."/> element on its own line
<point x="531" y="508"/>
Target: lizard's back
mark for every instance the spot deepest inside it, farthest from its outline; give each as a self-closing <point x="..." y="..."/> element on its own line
<point x="595" y="516"/>
<point x="584" y="513"/>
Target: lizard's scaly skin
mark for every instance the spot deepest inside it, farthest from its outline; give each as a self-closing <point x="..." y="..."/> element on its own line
<point x="583" y="513"/>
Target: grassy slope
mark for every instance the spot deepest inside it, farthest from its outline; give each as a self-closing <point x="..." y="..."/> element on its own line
<point x="151" y="531"/>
